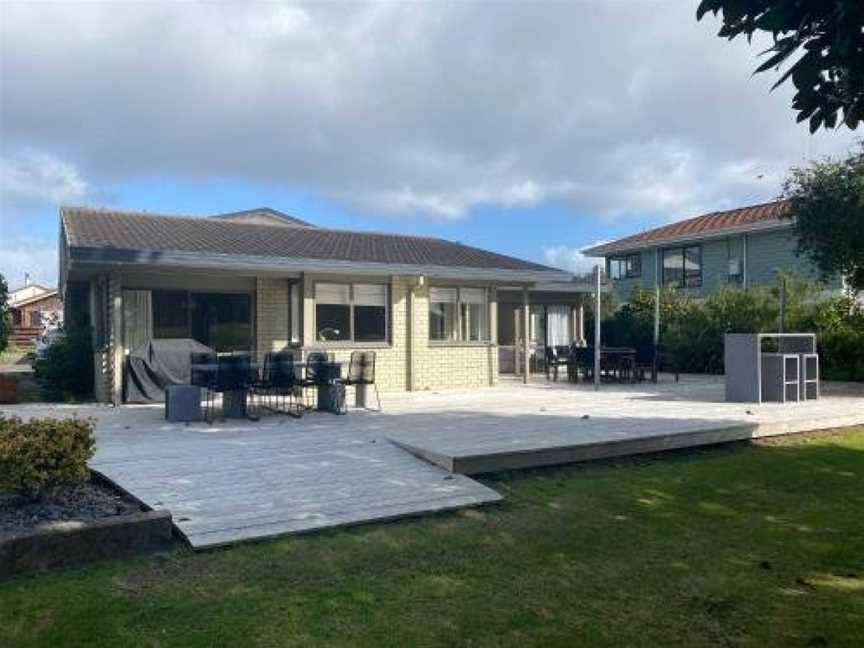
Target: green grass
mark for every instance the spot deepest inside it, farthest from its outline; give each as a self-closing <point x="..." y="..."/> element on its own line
<point x="755" y="545"/>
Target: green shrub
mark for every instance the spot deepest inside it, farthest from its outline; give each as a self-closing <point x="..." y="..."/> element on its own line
<point x="66" y="371"/>
<point x="692" y="333"/>
<point x="40" y="455"/>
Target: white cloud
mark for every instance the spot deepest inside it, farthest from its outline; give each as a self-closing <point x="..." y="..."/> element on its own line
<point x="37" y="257"/>
<point x="571" y="259"/>
<point x="405" y="107"/>
<point x="39" y="178"/>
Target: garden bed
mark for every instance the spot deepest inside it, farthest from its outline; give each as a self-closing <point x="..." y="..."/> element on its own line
<point x="81" y="523"/>
<point x="87" y="502"/>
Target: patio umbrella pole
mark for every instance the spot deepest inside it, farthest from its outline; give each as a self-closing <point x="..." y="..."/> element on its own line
<point x="597" y="327"/>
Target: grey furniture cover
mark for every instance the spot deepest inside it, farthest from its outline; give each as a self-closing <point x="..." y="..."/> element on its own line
<point x="153" y="366"/>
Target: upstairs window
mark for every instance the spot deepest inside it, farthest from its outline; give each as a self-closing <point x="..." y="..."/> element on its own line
<point x="682" y="267"/>
<point x="626" y="267"/>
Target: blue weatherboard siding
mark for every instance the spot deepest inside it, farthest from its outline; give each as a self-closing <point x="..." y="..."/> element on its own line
<point x="767" y="254"/>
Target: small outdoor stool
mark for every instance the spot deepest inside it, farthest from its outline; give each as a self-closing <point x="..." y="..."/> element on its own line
<point x="183" y="403"/>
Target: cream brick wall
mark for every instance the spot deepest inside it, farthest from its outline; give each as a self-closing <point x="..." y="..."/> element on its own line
<point x="434" y="366"/>
<point x="440" y="365"/>
<point x="391" y="360"/>
<point x="271" y="315"/>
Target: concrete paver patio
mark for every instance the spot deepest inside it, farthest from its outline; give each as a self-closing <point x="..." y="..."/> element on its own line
<point x="241" y="480"/>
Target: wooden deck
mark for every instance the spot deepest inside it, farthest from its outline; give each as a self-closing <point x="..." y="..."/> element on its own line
<point x="228" y="484"/>
<point x="546" y="424"/>
<point x="243" y="480"/>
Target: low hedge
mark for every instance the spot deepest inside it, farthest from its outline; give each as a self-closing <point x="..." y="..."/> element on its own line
<point x="40" y="455"/>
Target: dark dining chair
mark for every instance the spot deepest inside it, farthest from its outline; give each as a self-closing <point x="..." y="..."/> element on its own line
<point x="361" y="372"/>
<point x="232" y="375"/>
<point x="554" y="360"/>
<point x="645" y="362"/>
<point x="283" y="381"/>
<point x="202" y="373"/>
<point x="316" y="373"/>
<point x="583" y="359"/>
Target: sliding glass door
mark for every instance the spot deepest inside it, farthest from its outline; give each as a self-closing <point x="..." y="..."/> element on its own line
<point x="222" y="321"/>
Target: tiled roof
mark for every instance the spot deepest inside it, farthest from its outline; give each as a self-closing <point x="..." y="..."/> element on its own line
<point x="699" y="226"/>
<point x="141" y="231"/>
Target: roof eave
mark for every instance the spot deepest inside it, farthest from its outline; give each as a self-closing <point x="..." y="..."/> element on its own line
<point x="615" y="247"/>
<point x="254" y="263"/>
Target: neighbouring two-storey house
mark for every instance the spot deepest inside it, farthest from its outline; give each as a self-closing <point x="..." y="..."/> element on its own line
<point x="437" y="313"/>
<point x="744" y="247"/>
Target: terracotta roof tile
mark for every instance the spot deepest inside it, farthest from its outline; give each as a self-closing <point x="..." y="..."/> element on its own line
<point x="700" y="226"/>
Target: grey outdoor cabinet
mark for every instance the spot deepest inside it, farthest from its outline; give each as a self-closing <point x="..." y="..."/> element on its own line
<point x="788" y="374"/>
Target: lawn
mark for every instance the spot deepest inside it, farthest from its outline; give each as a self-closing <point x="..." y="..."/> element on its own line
<point x="739" y="545"/>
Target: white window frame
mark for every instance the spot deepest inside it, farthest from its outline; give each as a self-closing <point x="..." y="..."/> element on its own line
<point x="459" y="324"/>
<point x="351" y="304"/>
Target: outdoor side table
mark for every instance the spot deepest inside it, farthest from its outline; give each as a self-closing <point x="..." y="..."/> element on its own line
<point x="183" y="403"/>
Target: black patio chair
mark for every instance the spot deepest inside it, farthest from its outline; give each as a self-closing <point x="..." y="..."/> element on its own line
<point x="583" y="359"/>
<point x="316" y="373"/>
<point x="202" y="374"/>
<point x="645" y="362"/>
<point x="554" y="360"/>
<point x="232" y="374"/>
<point x="361" y="371"/>
<point x="282" y="381"/>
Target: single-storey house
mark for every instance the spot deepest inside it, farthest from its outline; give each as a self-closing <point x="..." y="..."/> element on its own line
<point x="743" y="247"/>
<point x="31" y="307"/>
<point x="438" y="313"/>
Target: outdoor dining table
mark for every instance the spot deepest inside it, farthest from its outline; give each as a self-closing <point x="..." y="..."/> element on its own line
<point x="234" y="401"/>
<point x="617" y="353"/>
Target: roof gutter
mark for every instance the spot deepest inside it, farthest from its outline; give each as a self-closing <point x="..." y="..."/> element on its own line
<point x="254" y="263"/>
<point x="614" y="246"/>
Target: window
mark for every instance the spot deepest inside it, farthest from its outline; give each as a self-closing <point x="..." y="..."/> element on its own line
<point x="458" y="314"/>
<point x="693" y="266"/>
<point x="370" y="313"/>
<point x="170" y="314"/>
<point x="682" y="267"/>
<point x="222" y="321"/>
<point x="626" y="267"/>
<point x="346" y="312"/>
<point x="472" y="312"/>
<point x="442" y="313"/>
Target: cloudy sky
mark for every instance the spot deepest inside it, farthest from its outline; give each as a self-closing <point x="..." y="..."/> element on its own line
<point x="533" y="128"/>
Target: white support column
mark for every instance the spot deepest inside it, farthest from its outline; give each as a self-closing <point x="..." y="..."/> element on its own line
<point x="526" y="330"/>
<point x="597" y="306"/>
<point x="580" y="325"/>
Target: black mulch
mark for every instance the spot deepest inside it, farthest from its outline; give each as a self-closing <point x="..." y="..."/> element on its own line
<point x="85" y="502"/>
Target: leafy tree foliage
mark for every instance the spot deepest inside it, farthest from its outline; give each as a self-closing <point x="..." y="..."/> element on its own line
<point x="829" y="75"/>
<point x="826" y="199"/>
